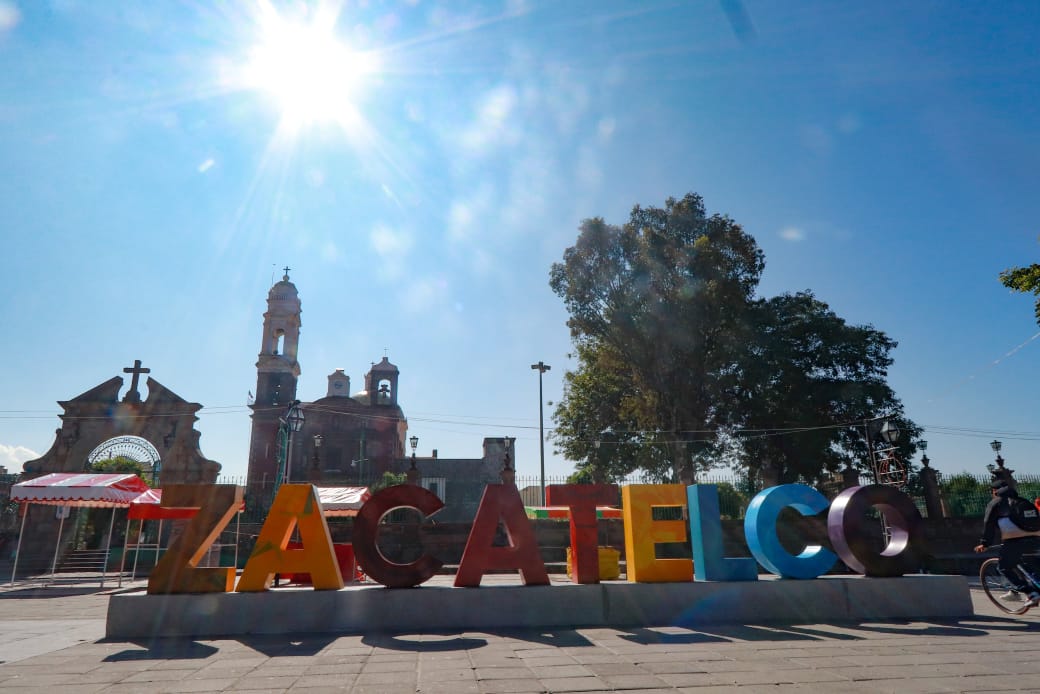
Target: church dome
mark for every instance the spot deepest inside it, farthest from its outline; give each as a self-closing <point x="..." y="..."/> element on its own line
<point x="284" y="295"/>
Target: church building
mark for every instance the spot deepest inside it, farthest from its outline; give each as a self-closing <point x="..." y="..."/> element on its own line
<point x="344" y="439"/>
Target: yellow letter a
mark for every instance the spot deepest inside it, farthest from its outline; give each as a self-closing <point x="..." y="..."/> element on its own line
<point x="295" y="505"/>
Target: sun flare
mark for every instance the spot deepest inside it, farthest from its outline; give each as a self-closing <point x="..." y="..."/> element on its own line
<point x="313" y="76"/>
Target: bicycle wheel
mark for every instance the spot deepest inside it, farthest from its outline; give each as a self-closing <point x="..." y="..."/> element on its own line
<point x="995" y="584"/>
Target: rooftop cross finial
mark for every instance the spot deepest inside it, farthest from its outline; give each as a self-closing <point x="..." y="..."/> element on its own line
<point x="132" y="395"/>
<point x="286" y="269"/>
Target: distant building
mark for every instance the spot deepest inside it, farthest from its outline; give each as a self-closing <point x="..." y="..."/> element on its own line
<point x="460" y="482"/>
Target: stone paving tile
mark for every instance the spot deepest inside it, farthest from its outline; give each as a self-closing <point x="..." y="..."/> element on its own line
<point x="448" y="688"/>
<point x="154" y="676"/>
<point x="615" y="668"/>
<point x="380" y="689"/>
<point x="778" y="677"/>
<point x="454" y="664"/>
<point x="881" y="672"/>
<point x="448" y="675"/>
<point x="248" y="682"/>
<point x="388" y="678"/>
<point x="390" y="666"/>
<point x="342" y="668"/>
<point x="70" y="688"/>
<point x="554" y="671"/>
<point x="197" y="685"/>
<point x="502" y="673"/>
<point x="640" y="682"/>
<point x="342" y="681"/>
<point x="674" y="666"/>
<point x="515" y="686"/>
<point x="266" y="670"/>
<point x="687" y="679"/>
<point x="573" y="684"/>
<point x="548" y="661"/>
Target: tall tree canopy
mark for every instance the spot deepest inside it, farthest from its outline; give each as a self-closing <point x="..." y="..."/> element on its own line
<point x="1024" y="279"/>
<point x="662" y="295"/>
<point x="680" y="366"/>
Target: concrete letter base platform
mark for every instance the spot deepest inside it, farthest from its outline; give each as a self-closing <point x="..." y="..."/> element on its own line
<point x="436" y="606"/>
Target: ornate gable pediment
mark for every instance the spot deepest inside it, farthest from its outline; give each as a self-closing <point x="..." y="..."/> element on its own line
<point x="105" y="393"/>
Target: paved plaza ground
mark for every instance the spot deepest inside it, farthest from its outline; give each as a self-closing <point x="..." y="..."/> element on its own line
<point x="52" y="639"/>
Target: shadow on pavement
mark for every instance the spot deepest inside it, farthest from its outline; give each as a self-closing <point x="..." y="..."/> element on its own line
<point x="289" y="645"/>
<point x="163" y="649"/>
<point x="424" y="643"/>
<point x="645" y="637"/>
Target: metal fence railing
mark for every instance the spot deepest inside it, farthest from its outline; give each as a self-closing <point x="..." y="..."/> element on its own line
<point x="964" y="495"/>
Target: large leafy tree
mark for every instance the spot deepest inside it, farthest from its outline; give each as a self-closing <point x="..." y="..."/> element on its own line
<point x="661" y="296"/>
<point x="1024" y="279"/>
<point x="600" y="418"/>
<point x="808" y="375"/>
<point x="680" y="367"/>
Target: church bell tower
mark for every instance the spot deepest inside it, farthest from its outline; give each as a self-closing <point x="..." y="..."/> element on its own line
<point x="277" y="375"/>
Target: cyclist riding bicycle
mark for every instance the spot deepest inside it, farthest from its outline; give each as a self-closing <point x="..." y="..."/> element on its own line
<point x="1016" y="542"/>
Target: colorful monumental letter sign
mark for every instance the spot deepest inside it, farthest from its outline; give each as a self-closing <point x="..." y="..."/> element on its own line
<point x="297" y="506"/>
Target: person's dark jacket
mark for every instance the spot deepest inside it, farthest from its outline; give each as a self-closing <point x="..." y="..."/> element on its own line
<point x="998" y="508"/>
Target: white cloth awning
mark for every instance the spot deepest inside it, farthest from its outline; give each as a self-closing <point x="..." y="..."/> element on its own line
<point x="342" y="501"/>
<point x="80" y="489"/>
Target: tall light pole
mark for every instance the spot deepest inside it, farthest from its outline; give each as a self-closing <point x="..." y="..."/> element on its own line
<point x="293" y="422"/>
<point x="541" y="368"/>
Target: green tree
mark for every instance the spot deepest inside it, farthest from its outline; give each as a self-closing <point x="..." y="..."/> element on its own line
<point x="966" y="497"/>
<point x="598" y="419"/>
<point x="807" y="375"/>
<point x="1026" y="280"/>
<point x="660" y="295"/>
<point x="122" y="464"/>
<point x="389" y="479"/>
<point x="680" y="367"/>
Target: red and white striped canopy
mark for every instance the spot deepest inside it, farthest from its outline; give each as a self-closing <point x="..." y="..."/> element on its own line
<point x="342" y="501"/>
<point x="80" y="489"/>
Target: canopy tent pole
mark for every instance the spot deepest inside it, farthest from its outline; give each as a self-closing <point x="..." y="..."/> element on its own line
<point x="57" y="543"/>
<point x="158" y="542"/>
<point x="137" y="545"/>
<point x="122" y="559"/>
<point x="108" y="547"/>
<point x="18" y="547"/>
<point x="238" y="527"/>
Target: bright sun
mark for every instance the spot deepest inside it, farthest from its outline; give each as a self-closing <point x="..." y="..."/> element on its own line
<point x="313" y="76"/>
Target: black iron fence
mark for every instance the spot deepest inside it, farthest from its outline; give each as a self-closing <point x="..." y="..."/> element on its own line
<point x="963" y="495"/>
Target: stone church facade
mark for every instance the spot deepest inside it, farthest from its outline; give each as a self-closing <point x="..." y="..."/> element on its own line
<point x="361" y="434"/>
<point x="164" y="420"/>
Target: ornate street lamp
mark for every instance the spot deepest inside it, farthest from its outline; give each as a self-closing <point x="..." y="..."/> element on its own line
<point x="889" y="432"/>
<point x="415" y="444"/>
<point x="541" y="368"/>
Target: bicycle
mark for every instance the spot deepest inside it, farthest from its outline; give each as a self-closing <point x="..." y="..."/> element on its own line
<point x="995" y="583"/>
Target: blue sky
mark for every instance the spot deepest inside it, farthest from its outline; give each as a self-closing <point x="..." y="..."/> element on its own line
<point x="162" y="159"/>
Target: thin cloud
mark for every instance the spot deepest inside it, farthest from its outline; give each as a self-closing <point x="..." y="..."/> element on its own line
<point x="792" y="234"/>
<point x="12" y="457"/>
<point x="9" y="16"/>
<point x="206" y="165"/>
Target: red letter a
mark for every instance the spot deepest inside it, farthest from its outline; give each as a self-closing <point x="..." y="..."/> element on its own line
<point x="501" y="501"/>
